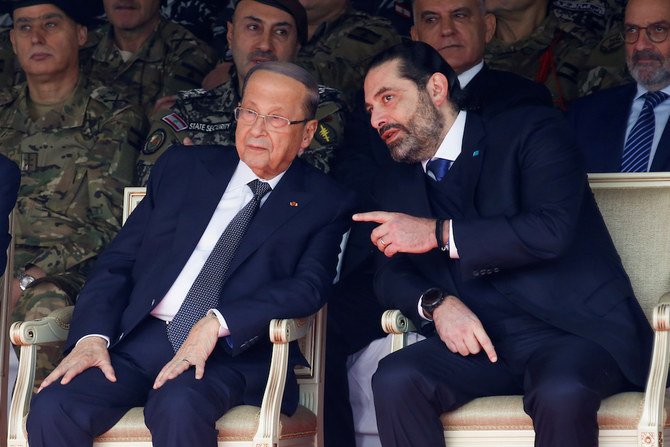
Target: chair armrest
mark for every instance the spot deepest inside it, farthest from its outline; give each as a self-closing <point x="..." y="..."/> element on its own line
<point x="398" y="325"/>
<point x="652" y="419"/>
<point x="282" y="332"/>
<point x="54" y="327"/>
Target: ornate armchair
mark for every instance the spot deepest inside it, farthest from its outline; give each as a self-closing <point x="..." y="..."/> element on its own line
<point x="242" y="426"/>
<point x="636" y="209"/>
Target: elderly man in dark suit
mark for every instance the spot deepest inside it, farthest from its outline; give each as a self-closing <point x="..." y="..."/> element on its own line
<point x="223" y="242"/>
<point x="625" y="129"/>
<point x="489" y="230"/>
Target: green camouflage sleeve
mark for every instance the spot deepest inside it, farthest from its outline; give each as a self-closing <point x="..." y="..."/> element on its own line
<point x="329" y="134"/>
<point x="95" y="212"/>
<point x="189" y="62"/>
<point x="340" y="60"/>
<point x="163" y="133"/>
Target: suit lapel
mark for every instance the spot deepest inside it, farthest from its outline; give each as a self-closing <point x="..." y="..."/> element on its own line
<point x="661" y="161"/>
<point x="287" y="200"/>
<point x="616" y="118"/>
<point x="472" y="155"/>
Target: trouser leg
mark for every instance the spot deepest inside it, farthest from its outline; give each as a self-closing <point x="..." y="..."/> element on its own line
<point x="413" y="386"/>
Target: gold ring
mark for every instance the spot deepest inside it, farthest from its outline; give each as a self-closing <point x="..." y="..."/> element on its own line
<point x="186" y="360"/>
<point x="381" y="241"/>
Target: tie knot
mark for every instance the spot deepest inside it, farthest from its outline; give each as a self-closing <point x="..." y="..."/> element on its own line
<point x="654" y="98"/>
<point x="438" y="167"/>
<point x="259" y="188"/>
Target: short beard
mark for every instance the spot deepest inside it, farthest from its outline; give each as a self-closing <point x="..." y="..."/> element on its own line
<point x="423" y="133"/>
<point x="651" y="77"/>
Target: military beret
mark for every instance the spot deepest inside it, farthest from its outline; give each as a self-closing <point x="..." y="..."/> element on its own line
<point x="295" y="9"/>
<point x="81" y="12"/>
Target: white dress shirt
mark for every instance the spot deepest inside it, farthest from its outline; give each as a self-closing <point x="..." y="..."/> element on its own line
<point x="661" y="114"/>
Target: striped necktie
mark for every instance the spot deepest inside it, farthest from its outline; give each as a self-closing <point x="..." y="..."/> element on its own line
<point x="637" y="149"/>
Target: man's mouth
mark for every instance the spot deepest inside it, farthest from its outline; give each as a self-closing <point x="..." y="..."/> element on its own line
<point x="391" y="132"/>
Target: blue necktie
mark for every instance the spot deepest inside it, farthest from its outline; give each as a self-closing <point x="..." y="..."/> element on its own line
<point x="637" y="149"/>
<point x="438" y="167"/>
<point x="204" y="293"/>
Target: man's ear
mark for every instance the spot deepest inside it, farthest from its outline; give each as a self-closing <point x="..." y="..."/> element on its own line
<point x="491" y="23"/>
<point x="438" y="88"/>
<point x="308" y="134"/>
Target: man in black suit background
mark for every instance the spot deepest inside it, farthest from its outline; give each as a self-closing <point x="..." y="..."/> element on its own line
<point x="625" y="129"/>
<point x="459" y="30"/>
<point x="489" y="230"/>
<point x="223" y="242"/>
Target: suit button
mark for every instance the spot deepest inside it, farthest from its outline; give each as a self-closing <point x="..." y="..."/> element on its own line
<point x="489" y="271"/>
<point x="475" y="273"/>
<point x="496" y="270"/>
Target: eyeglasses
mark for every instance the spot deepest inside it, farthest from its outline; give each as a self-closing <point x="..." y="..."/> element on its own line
<point x="248" y="116"/>
<point x="656" y="32"/>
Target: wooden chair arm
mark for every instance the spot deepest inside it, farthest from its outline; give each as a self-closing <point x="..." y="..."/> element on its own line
<point x="282" y="332"/>
<point x="51" y="328"/>
<point x="652" y="419"/>
<point x="398" y="325"/>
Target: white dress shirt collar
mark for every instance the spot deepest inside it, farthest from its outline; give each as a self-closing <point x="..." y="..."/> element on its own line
<point x="467" y="76"/>
<point x="243" y="175"/>
<point x="451" y="145"/>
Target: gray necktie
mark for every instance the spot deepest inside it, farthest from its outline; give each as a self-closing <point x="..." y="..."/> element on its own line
<point x="204" y="293"/>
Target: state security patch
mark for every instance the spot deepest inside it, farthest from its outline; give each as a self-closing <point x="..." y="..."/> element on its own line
<point x="154" y="142"/>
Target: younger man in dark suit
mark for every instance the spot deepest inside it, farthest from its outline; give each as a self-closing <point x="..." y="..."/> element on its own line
<point x="490" y="231"/>
<point x="625" y="129"/>
<point x="223" y="242"/>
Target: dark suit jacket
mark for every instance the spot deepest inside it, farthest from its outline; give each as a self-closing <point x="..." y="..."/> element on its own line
<point x="600" y="122"/>
<point x="283" y="268"/>
<point x="531" y="228"/>
<point x="10" y="179"/>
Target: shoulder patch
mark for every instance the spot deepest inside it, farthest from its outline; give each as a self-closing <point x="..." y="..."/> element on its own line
<point x="193" y="93"/>
<point x="175" y="121"/>
<point x="154" y="142"/>
<point x="325" y="134"/>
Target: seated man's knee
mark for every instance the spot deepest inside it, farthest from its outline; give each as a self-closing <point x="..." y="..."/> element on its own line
<point x="562" y="399"/>
<point x="395" y="380"/>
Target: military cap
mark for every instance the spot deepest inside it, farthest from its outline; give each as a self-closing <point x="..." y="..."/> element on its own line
<point x="295" y="9"/>
<point x="81" y="12"/>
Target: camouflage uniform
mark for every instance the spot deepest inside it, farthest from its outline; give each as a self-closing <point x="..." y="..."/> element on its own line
<point x="74" y="162"/>
<point x="607" y="64"/>
<point x="556" y="54"/>
<point x="172" y="59"/>
<point x="598" y="16"/>
<point x="207" y="117"/>
<point x="207" y="19"/>
<point x="339" y="52"/>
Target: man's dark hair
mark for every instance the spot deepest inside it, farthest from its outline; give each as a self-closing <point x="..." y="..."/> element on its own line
<point x="418" y="62"/>
<point x="294" y="72"/>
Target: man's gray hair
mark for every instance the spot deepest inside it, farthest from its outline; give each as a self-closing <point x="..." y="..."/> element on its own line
<point x="294" y="72"/>
<point x="482" y="8"/>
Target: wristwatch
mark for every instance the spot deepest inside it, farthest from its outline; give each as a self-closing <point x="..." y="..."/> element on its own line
<point x="430" y="299"/>
<point x="24" y="280"/>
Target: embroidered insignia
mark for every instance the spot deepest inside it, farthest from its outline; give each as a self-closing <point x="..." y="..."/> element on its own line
<point x="154" y="142"/>
<point x="325" y="134"/>
<point x="175" y="121"/>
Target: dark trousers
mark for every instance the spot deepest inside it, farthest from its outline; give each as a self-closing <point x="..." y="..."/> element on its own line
<point x="563" y="379"/>
<point x="181" y="413"/>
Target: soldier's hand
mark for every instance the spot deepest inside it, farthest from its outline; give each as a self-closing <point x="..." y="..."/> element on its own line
<point x="460" y="329"/>
<point x="195" y="351"/>
<point x="400" y="233"/>
<point x="164" y="103"/>
<point x="216" y="77"/>
<point x="15" y="289"/>
<point x="90" y="352"/>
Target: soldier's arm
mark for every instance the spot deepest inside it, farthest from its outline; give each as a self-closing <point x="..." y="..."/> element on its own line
<point x="189" y="62"/>
<point x="342" y="60"/>
<point x="166" y="127"/>
<point x="109" y="167"/>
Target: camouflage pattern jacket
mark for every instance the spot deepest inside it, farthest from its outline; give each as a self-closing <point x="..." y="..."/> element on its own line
<point x="172" y="59"/>
<point x="339" y="52"/>
<point x="555" y="54"/>
<point x="207" y="117"/>
<point x="75" y="162"/>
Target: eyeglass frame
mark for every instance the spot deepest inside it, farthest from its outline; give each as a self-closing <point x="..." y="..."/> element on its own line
<point x="288" y="122"/>
<point x="647" y="32"/>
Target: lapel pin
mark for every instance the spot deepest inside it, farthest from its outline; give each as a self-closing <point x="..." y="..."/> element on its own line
<point x="292" y="203"/>
<point x="475" y="153"/>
